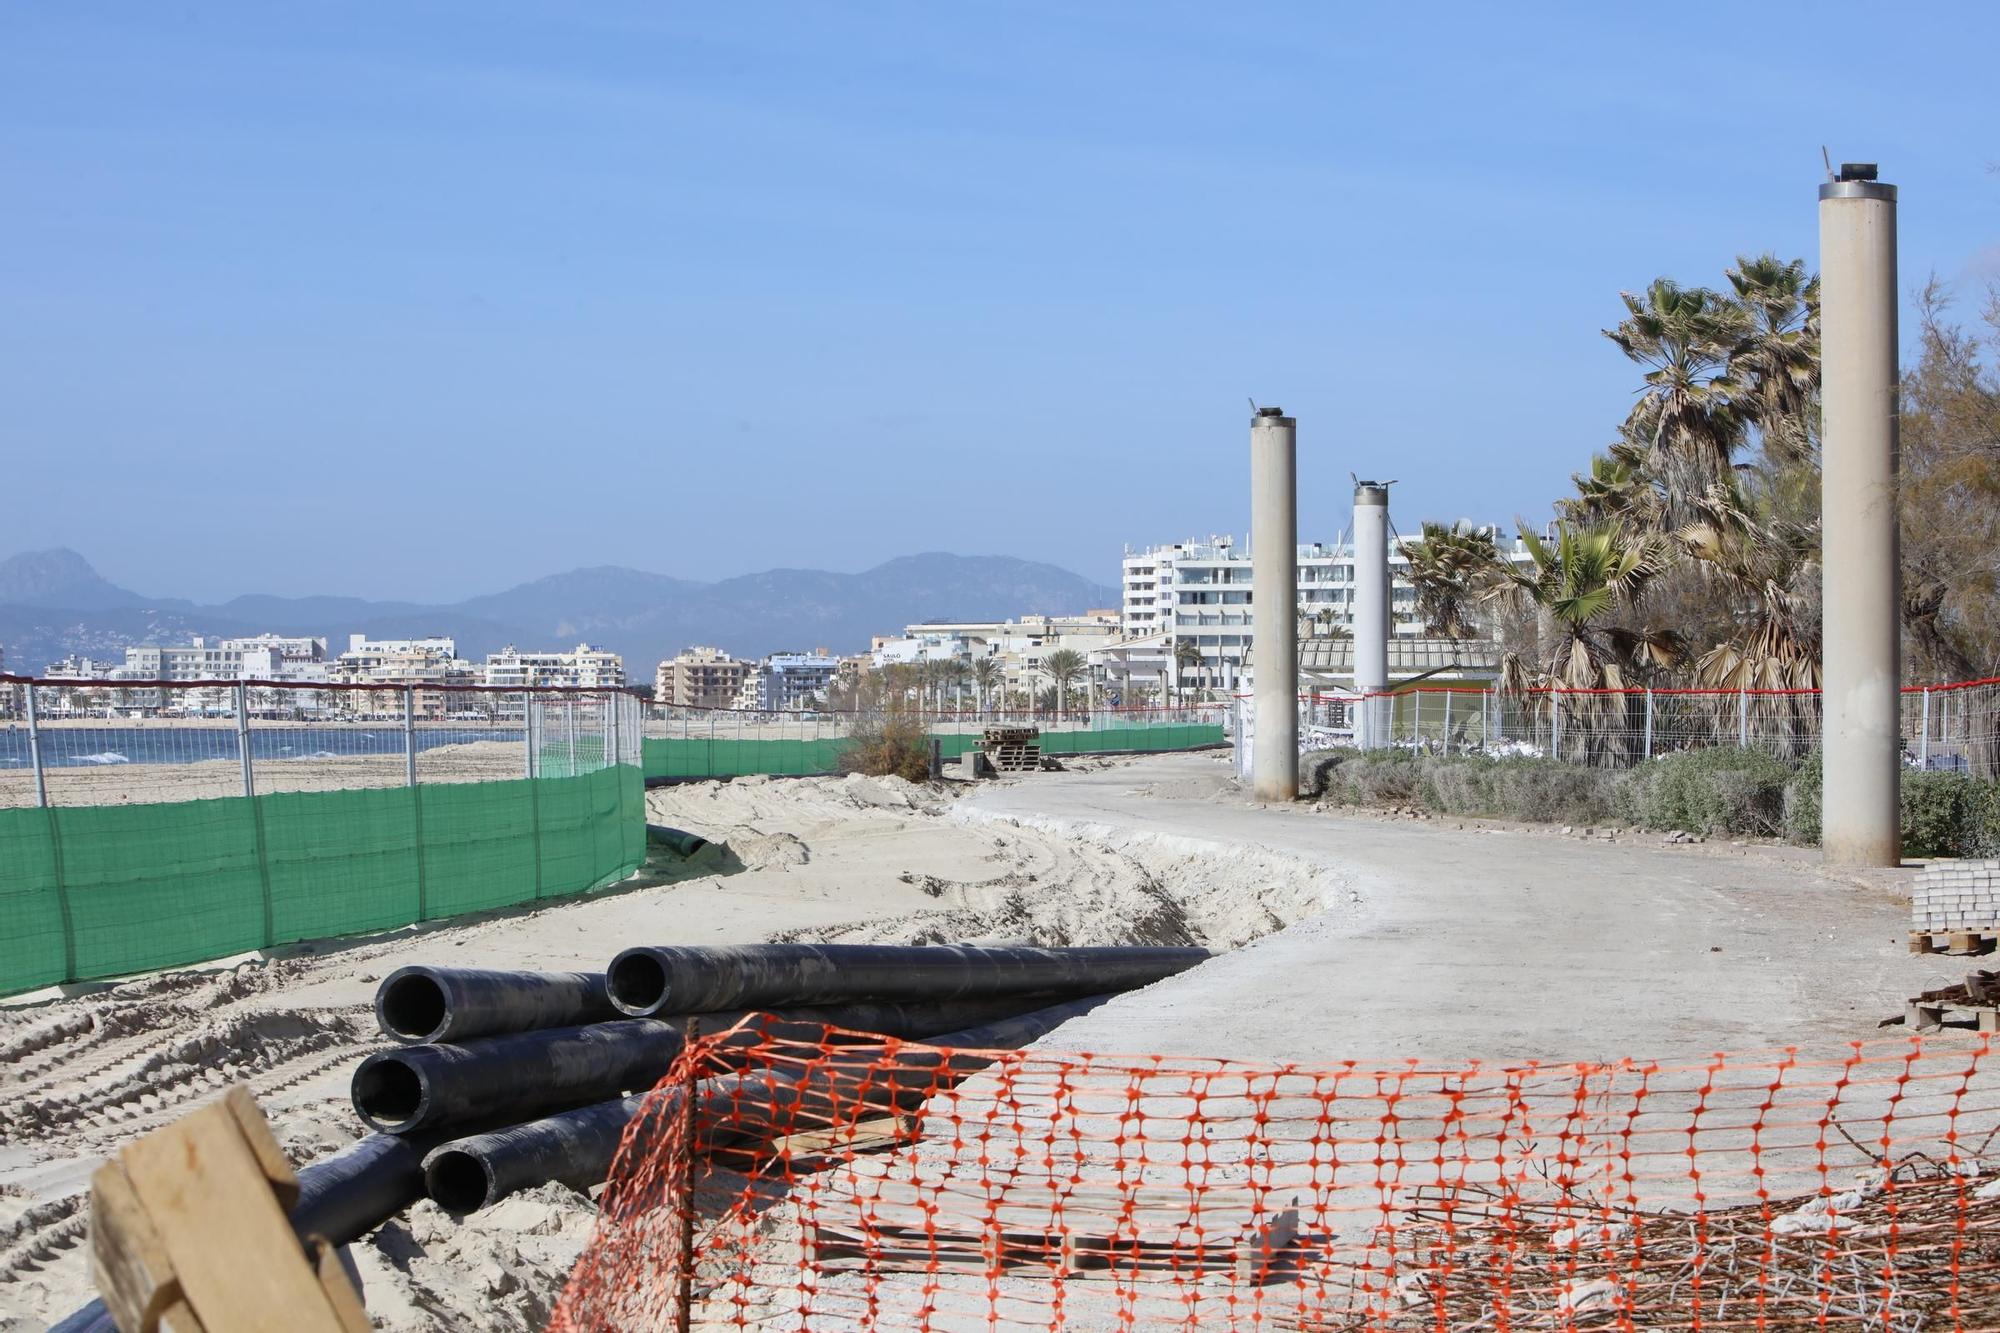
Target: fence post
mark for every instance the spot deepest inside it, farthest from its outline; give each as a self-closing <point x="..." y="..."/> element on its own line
<point x="527" y="734"/>
<point x="1555" y="724"/>
<point x="35" y="751"/>
<point x="1743" y="719"/>
<point x="1924" y="736"/>
<point x="243" y="736"/>
<point x="1649" y="722"/>
<point x="409" y="735"/>
<point x="611" y="728"/>
<point x="569" y="731"/>
<point x="1486" y="714"/>
<point x="1447" y="719"/>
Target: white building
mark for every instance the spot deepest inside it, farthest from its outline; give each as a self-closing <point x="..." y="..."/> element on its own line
<point x="80" y="667"/>
<point x="431" y="661"/>
<point x="1198" y="593"/>
<point x="1019" y="645"/>
<point x="261" y="656"/>
<point x="582" y="667"/>
<point x="788" y="681"/>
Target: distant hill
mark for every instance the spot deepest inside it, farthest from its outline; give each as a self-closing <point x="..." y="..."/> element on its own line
<point x="53" y="604"/>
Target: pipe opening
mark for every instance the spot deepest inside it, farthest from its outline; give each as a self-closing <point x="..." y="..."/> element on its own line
<point x="388" y="1092"/>
<point x="411" y="1005"/>
<point x="638" y="982"/>
<point x="457" y="1181"/>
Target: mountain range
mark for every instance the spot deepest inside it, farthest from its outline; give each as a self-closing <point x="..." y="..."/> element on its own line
<point x="54" y="604"/>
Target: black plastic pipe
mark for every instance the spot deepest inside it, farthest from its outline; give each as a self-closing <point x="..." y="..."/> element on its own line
<point x="577" y="1147"/>
<point x="679" y="841"/>
<point x="525" y="1074"/>
<point x="521" y="1074"/>
<point x="417" y="1004"/>
<point x="655" y="979"/>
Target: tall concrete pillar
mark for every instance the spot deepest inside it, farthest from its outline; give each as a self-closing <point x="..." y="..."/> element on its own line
<point x="1371" y="613"/>
<point x="1860" y="818"/>
<point x="1274" y="630"/>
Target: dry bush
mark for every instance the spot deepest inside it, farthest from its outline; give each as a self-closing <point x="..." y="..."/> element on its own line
<point x="888" y="745"/>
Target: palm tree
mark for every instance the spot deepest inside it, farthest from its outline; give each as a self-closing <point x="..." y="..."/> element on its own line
<point x="951" y="674"/>
<point x="985" y="674"/>
<point x="1449" y="566"/>
<point x="1684" y="419"/>
<point x="1187" y="657"/>
<point x="1063" y="666"/>
<point x="1768" y="569"/>
<point x="1618" y="490"/>
<point x="1576" y="583"/>
<point x="1776" y="356"/>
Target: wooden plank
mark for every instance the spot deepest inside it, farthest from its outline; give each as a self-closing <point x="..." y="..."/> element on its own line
<point x="270" y="1157"/>
<point x="209" y="1195"/>
<point x="128" y="1263"/>
<point x="338" y="1289"/>
<point x="862" y="1136"/>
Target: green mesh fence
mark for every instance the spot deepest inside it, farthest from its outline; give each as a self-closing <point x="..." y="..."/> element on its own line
<point x="727" y="757"/>
<point x="1101" y="740"/>
<point x="100" y="891"/>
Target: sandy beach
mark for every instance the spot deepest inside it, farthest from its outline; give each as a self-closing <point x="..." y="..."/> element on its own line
<point x="138" y="784"/>
<point x="1349" y="937"/>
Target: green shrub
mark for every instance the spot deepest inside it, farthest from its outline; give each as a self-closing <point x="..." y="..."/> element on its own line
<point x="1714" y="791"/>
<point x="1468" y="785"/>
<point x="1801" y="804"/>
<point x="1556" y="793"/>
<point x="1390" y="778"/>
<point x="1950" y="814"/>
<point x="1721" y="791"/>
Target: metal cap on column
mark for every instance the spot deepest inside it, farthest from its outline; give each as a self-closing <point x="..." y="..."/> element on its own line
<point x="1861" y="705"/>
<point x="1274" y="570"/>
<point x="1371" y="613"/>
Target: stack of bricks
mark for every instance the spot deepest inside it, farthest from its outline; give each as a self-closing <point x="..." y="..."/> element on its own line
<point x="1956" y="895"/>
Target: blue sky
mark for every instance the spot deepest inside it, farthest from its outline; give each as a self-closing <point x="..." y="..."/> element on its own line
<point x="423" y="300"/>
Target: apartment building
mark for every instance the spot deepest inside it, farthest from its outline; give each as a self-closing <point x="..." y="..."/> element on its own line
<point x="582" y="667"/>
<point x="789" y="681"/>
<point x="1020" y="643"/>
<point x="273" y="656"/>
<point x="700" y="678"/>
<point x="1199" y="592"/>
<point x="430" y="661"/>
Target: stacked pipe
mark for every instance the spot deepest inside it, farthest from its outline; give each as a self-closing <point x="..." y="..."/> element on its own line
<point x="507" y="1080"/>
<point x="511" y="1080"/>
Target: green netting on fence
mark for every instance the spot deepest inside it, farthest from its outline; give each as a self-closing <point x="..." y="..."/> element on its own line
<point x="99" y="891"/>
<point x="1100" y="740"/>
<point x="728" y="757"/>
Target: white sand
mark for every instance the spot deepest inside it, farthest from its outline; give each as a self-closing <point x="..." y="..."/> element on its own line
<point x="821" y="858"/>
<point x="1413" y="941"/>
<point x="138" y="784"/>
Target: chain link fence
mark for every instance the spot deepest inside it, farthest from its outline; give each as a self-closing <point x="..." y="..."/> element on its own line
<point x="694" y="743"/>
<point x="148" y="824"/>
<point x="1952" y="728"/>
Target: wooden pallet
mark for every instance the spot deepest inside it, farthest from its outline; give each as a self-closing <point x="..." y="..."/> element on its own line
<point x="1978" y="997"/>
<point x="1961" y="942"/>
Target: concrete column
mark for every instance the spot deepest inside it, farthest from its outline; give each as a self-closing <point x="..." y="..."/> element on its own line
<point x="1371" y="613"/>
<point x="1274" y="571"/>
<point x="1860" y="820"/>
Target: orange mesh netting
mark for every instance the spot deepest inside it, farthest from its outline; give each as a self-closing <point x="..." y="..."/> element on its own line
<point x="858" y="1183"/>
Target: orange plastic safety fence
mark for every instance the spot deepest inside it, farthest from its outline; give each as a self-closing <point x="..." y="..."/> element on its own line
<point x="857" y="1183"/>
